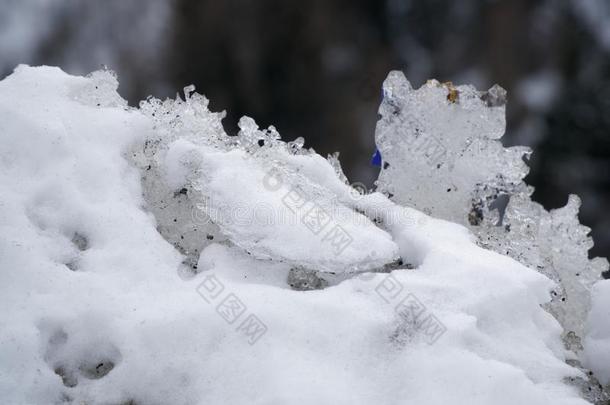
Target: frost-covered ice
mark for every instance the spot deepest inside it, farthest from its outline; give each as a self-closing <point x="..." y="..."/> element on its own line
<point x="442" y="154"/>
<point x="442" y="140"/>
<point x="275" y="200"/>
<point x="96" y="308"/>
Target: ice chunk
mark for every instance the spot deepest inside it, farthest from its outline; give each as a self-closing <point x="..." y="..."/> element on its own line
<point x="100" y="90"/>
<point x="440" y="150"/>
<point x="555" y="244"/>
<point x="170" y="196"/>
<point x="441" y="154"/>
<point x="276" y="200"/>
<point x="267" y="200"/>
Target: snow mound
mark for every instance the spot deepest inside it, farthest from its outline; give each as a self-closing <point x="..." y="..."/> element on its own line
<point x="95" y="309"/>
<point x="273" y="199"/>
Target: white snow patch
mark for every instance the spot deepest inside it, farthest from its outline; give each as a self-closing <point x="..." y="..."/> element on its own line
<point x="90" y="291"/>
<point x="597" y="343"/>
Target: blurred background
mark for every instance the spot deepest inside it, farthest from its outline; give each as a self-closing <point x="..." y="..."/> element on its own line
<point x="315" y="69"/>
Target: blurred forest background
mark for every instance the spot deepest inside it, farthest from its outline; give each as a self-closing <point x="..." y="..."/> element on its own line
<point x="315" y="69"/>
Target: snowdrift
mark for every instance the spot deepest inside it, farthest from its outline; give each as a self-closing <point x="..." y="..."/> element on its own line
<point x="146" y="258"/>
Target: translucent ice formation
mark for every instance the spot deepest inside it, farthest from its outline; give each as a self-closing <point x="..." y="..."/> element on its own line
<point x="274" y="199"/>
<point x="555" y="244"/>
<point x="442" y="154"/>
<point x="440" y="147"/>
<point x="179" y="217"/>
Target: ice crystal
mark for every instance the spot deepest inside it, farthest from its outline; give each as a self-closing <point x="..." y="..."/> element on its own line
<point x="441" y="153"/>
<point x="187" y="119"/>
<point x="555" y="244"/>
<point x="333" y="160"/>
<point x="100" y="91"/>
<point x="275" y="200"/>
<point x="287" y="205"/>
<point x="177" y="211"/>
<point x="589" y="386"/>
<point x="442" y="140"/>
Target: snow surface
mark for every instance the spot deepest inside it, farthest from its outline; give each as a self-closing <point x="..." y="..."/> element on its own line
<point x="94" y="310"/>
<point x="270" y="218"/>
<point x="597" y="343"/>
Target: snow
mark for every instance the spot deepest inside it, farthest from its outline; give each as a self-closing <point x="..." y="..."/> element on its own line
<point x="597" y="344"/>
<point x="97" y="307"/>
<point x="271" y="218"/>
